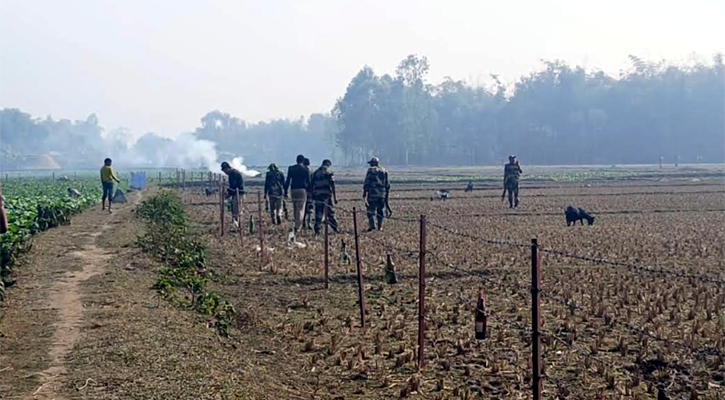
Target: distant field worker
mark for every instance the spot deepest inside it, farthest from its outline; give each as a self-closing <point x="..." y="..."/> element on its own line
<point x="511" y="173"/>
<point x="274" y="189"/>
<point x="323" y="193"/>
<point x="298" y="180"/>
<point x="74" y="193"/>
<point x="3" y="216"/>
<point x="236" y="182"/>
<point x="310" y="205"/>
<point x="376" y="191"/>
<point x="108" y="181"/>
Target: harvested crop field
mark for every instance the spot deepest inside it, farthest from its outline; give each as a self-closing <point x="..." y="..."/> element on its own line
<point x="650" y="320"/>
<point x="631" y="307"/>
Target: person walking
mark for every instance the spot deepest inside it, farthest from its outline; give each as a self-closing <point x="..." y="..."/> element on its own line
<point x="108" y="181"/>
<point x="236" y="182"/>
<point x="323" y="193"/>
<point x="511" y="173"/>
<point x="274" y="189"/>
<point x="310" y="204"/>
<point x="298" y="180"/>
<point x="376" y="191"/>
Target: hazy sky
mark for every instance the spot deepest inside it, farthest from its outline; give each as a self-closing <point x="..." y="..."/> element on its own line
<point x="160" y="65"/>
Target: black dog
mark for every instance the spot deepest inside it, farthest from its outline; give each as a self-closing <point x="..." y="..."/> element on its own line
<point x="574" y="214"/>
<point x="210" y="191"/>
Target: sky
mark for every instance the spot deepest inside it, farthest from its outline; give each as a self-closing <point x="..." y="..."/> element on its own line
<point x="161" y="65"/>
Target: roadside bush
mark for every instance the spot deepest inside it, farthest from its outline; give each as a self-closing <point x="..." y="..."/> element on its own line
<point x="167" y="238"/>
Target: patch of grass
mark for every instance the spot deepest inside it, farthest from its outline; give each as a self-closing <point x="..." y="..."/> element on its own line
<point x="167" y="237"/>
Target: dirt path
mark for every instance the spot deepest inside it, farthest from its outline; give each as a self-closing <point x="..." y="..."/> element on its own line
<point x="66" y="298"/>
<point x="42" y="337"/>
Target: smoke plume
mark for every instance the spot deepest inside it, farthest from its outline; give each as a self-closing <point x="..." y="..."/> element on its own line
<point x="238" y="163"/>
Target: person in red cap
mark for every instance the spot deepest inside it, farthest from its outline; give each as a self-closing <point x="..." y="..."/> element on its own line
<point x="376" y="191"/>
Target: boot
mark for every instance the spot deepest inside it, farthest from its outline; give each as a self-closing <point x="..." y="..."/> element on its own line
<point x="371" y="224"/>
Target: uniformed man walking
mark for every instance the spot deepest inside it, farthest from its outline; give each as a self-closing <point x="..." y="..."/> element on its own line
<point x="274" y="188"/>
<point x="236" y="183"/>
<point x="323" y="194"/>
<point x="375" y="191"/>
<point x="511" y="173"/>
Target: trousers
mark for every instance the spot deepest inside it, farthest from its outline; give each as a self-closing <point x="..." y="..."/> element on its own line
<point x="376" y="208"/>
<point x="299" y="199"/>
<point x="322" y="203"/>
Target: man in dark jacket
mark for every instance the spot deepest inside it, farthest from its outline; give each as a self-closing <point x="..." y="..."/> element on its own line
<point x="376" y="190"/>
<point x="323" y="193"/>
<point x="274" y="188"/>
<point x="298" y="180"/>
<point x="310" y="204"/>
<point x="236" y="182"/>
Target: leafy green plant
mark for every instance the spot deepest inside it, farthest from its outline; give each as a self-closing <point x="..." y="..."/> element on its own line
<point x="35" y="205"/>
<point x="167" y="237"/>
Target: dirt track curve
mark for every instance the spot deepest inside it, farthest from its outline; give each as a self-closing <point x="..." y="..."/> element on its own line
<point x="45" y="315"/>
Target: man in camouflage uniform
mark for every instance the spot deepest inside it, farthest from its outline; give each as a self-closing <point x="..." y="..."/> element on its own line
<point x="274" y="188"/>
<point x="375" y="191"/>
<point x="323" y="194"/>
<point x="511" y="173"/>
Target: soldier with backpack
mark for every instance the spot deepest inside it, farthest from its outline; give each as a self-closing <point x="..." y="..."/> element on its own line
<point x="323" y="195"/>
<point x="274" y="188"/>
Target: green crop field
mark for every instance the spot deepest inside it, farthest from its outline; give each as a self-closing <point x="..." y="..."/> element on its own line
<point x="34" y="205"/>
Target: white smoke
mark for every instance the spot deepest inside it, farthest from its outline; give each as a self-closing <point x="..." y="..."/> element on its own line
<point x="190" y="152"/>
<point x="238" y="164"/>
<point x="154" y="151"/>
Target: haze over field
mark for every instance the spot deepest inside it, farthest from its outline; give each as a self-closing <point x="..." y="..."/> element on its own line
<point x="556" y="82"/>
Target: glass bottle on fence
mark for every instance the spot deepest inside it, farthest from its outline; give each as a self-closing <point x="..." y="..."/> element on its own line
<point x="480" y="318"/>
<point x="390" y="277"/>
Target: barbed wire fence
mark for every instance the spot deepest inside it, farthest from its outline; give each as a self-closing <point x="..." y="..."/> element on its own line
<point x="537" y="334"/>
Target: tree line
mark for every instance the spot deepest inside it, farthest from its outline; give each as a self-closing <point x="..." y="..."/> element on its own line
<point x="557" y="115"/>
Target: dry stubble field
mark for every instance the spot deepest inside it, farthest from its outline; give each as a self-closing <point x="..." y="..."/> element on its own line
<point x="609" y="331"/>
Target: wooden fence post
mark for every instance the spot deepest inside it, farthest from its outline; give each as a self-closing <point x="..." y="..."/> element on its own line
<point x="421" y="294"/>
<point x="327" y="246"/>
<point x="221" y="209"/>
<point x="536" y="319"/>
<point x="360" y="289"/>
<point x="239" y="219"/>
<point x="261" y="231"/>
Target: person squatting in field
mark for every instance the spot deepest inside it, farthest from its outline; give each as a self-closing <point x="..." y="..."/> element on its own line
<point x="323" y="195"/>
<point x="511" y="173"/>
<point x="376" y="190"/>
<point x="236" y="182"/>
<point x="108" y="181"/>
<point x="298" y="180"/>
<point x="274" y="189"/>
